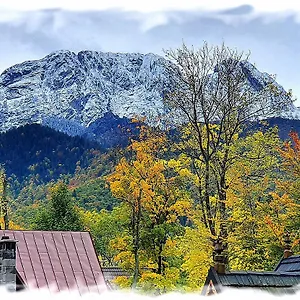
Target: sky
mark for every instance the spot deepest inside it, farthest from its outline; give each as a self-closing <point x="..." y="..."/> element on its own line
<point x="270" y="30"/>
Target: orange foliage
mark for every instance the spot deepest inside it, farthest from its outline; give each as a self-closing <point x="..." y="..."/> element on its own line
<point x="291" y="154"/>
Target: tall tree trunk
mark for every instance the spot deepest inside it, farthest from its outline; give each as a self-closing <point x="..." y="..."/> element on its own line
<point x="207" y="201"/>
<point x="160" y="262"/>
<point x="4" y="203"/>
<point x="222" y="198"/>
<point x="136" y="244"/>
<point x="223" y="194"/>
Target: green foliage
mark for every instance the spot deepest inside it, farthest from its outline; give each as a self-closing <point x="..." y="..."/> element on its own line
<point x="59" y="213"/>
<point x="94" y="195"/>
<point x="105" y="226"/>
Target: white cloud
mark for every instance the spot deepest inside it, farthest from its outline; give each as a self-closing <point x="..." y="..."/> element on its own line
<point x="150" y="6"/>
<point x="154" y="12"/>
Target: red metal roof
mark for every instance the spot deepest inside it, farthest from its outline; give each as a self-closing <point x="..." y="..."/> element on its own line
<point x="59" y="260"/>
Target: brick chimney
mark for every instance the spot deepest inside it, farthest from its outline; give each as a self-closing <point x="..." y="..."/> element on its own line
<point x="8" y="263"/>
<point x="287" y="245"/>
<point x="219" y="257"/>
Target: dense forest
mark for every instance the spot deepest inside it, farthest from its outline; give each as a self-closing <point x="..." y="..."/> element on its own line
<point x="156" y="206"/>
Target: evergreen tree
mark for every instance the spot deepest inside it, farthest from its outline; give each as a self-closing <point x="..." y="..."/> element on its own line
<point x="60" y="212"/>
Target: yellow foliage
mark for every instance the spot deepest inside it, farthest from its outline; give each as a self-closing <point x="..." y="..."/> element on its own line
<point x="11" y="226"/>
<point x="123" y="282"/>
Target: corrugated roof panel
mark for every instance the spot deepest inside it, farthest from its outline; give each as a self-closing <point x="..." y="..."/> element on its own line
<point x="52" y="281"/>
<point x="239" y="279"/>
<point x="31" y="282"/>
<point x="292" y="280"/>
<point x="67" y="238"/>
<point x="259" y="279"/>
<point x="291" y="259"/>
<point x="46" y="264"/>
<point x="76" y="265"/>
<point x="271" y="280"/>
<point x="28" y="269"/>
<point x="61" y="281"/>
<point x="72" y="252"/>
<point x="245" y="280"/>
<point x="85" y="263"/>
<point x="223" y="278"/>
<point x="90" y="279"/>
<point x="40" y="243"/>
<point x="280" y="281"/>
<point x="232" y="279"/>
<point x="52" y="252"/>
<point x="284" y="268"/>
<point x="290" y="264"/>
<point x="94" y="263"/>
<point x="81" y="282"/>
<point x="78" y="242"/>
<point x="89" y="247"/>
<point x="59" y="243"/>
<point x="295" y="267"/>
<point x="68" y="270"/>
<point x="99" y="277"/>
<point x="41" y="281"/>
<point x="56" y="262"/>
<point x="29" y="240"/>
<point x="36" y="262"/>
<point x="19" y="236"/>
<point x="65" y="262"/>
<point x="71" y="280"/>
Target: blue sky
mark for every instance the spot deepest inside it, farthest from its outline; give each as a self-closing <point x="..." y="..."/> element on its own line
<point x="271" y="31"/>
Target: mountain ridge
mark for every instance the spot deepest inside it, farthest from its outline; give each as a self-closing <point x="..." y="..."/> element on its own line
<point x="72" y="92"/>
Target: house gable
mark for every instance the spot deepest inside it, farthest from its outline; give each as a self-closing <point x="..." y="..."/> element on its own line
<point x="212" y="284"/>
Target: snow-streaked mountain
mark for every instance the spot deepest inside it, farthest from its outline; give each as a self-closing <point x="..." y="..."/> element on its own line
<point x="69" y="91"/>
<point x="72" y="92"/>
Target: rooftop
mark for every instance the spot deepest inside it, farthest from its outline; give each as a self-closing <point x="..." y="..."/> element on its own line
<point x="290" y="264"/>
<point x="58" y="260"/>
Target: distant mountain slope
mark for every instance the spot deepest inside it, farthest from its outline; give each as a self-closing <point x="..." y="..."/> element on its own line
<point x="85" y="93"/>
<point x="38" y="150"/>
<point x="285" y="126"/>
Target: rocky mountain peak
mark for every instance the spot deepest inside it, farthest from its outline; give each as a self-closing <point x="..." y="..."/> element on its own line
<point x="69" y="91"/>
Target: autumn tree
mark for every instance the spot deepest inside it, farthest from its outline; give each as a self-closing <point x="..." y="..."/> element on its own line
<point x="152" y="191"/>
<point x="214" y="97"/>
<point x="290" y="154"/>
<point x="282" y="211"/>
<point x="126" y="186"/>
<point x="250" y="203"/>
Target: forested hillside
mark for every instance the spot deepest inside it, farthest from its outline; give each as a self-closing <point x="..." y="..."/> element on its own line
<point x="39" y="150"/>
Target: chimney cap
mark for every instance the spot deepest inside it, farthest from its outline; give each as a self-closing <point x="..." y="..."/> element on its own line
<point x="5" y="239"/>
